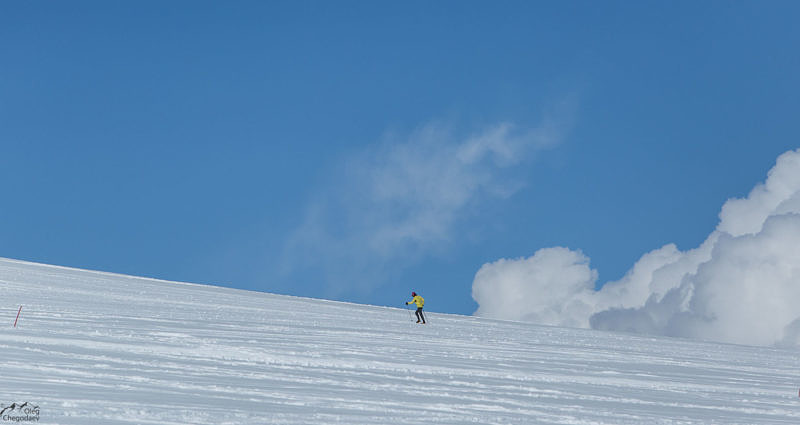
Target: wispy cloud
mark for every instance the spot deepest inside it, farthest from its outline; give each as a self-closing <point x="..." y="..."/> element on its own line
<point x="402" y="198"/>
<point x="741" y="285"/>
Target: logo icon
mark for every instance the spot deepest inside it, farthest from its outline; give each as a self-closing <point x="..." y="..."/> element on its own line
<point x="19" y="412"/>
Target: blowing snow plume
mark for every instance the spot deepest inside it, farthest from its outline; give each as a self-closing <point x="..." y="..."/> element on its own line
<point x="741" y="285"/>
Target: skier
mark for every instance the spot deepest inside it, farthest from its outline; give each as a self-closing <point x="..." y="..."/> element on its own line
<point x="419" y="301"/>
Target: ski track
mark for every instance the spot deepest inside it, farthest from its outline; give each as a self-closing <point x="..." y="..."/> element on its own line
<point x="100" y="348"/>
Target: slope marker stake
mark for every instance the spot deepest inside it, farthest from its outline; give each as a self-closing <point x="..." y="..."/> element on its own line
<point x="18" y="312"/>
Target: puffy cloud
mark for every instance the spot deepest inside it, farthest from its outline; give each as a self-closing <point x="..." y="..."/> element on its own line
<point x="741" y="285"/>
<point x="551" y="288"/>
<point x="780" y="194"/>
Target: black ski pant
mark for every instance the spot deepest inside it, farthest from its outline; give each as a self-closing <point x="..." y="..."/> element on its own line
<point x="419" y="315"/>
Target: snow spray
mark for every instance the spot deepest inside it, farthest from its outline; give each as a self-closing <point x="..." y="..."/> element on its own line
<point x="18" y="312"/>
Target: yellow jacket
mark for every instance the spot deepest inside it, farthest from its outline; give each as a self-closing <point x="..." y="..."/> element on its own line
<point x="419" y="301"/>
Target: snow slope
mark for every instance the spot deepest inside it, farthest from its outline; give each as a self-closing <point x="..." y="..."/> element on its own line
<point x="99" y="348"/>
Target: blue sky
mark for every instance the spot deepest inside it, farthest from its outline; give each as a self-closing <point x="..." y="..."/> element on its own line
<point x="263" y="145"/>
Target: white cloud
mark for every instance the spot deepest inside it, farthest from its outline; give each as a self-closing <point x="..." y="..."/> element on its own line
<point x="741" y="285"/>
<point x="551" y="288"/>
<point x="401" y="199"/>
<point x="780" y="194"/>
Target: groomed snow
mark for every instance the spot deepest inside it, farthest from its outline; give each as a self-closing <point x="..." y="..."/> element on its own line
<point x="99" y="348"/>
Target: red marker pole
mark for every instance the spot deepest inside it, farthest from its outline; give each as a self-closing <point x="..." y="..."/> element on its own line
<point x="18" y="312"/>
